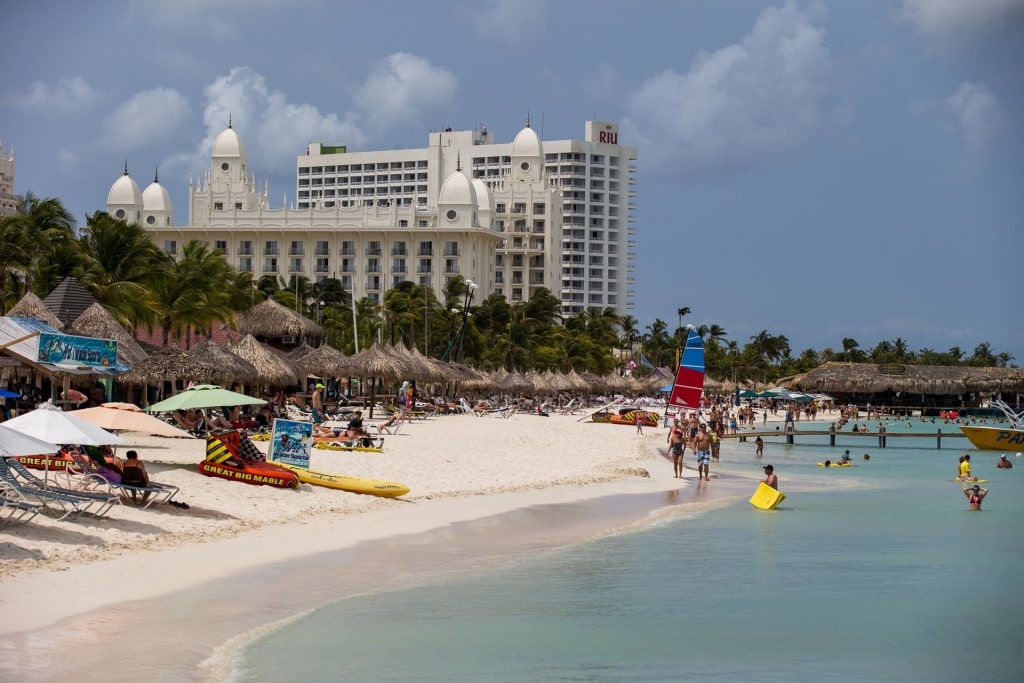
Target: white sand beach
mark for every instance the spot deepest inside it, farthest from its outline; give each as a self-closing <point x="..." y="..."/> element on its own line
<point x="55" y="574"/>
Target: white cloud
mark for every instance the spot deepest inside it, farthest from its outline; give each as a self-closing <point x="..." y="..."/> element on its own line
<point x="275" y="130"/>
<point x="145" y="118"/>
<point x="741" y="103"/>
<point x="977" y="115"/>
<point x="404" y="90"/>
<point x="509" y="21"/>
<point x="66" y="94"/>
<point x="960" y="19"/>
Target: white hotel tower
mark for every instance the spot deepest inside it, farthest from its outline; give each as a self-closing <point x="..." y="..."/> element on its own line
<point x="511" y="217"/>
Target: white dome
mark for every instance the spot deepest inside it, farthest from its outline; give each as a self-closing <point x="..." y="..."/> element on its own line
<point x="156" y="198"/>
<point x="484" y="198"/>
<point x="527" y="144"/>
<point x="458" y="190"/>
<point x="124" y="192"/>
<point x="228" y="144"/>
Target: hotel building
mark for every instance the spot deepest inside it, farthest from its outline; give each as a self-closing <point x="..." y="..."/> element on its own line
<point x="511" y="217"/>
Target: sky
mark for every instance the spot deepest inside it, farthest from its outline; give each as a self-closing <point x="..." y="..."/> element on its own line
<point x="820" y="170"/>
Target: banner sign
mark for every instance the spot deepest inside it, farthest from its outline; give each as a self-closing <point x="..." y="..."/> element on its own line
<point x="291" y="442"/>
<point x="70" y="350"/>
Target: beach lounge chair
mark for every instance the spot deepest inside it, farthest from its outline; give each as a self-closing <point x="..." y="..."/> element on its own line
<point x="154" y="493"/>
<point x="70" y="503"/>
<point x="90" y="487"/>
<point x="464" y="407"/>
<point x="14" y="509"/>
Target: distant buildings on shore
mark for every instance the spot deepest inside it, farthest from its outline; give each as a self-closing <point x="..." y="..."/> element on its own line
<point x="511" y="217"/>
<point x="8" y="200"/>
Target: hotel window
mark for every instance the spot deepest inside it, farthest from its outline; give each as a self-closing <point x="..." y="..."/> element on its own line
<point x="499" y="260"/>
<point x="373" y="282"/>
<point x="403" y="223"/>
<point x="499" y="207"/>
<point x="398" y="249"/>
<point x="295" y="265"/>
<point x="171" y="247"/>
<point x="245" y="248"/>
<point x="426" y="249"/>
<point x="322" y="265"/>
<point x="270" y="248"/>
<point x="296" y="248"/>
<point x="221" y="245"/>
<point x="270" y="265"/>
<point x="238" y="205"/>
<point x="218" y="206"/>
<point x="348" y="248"/>
<point x="245" y="265"/>
<point x="373" y="248"/>
<point x="398" y="265"/>
<point x="426" y="281"/>
<point x="499" y="278"/>
<point x="373" y="265"/>
<point x="451" y="248"/>
<point x="348" y="265"/>
<point x="538" y="209"/>
<point x="346" y="282"/>
<point x="519" y="207"/>
<point x="322" y="248"/>
<point x="451" y="265"/>
<point x="426" y="266"/>
<point x="397" y="280"/>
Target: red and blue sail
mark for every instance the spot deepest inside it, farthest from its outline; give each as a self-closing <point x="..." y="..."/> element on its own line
<point x="689" y="384"/>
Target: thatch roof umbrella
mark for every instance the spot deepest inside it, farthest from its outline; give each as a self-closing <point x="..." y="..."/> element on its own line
<point x="31" y="306"/>
<point x="515" y="382"/>
<point x="325" y="361"/>
<point x="169" y="364"/>
<point x="419" y="369"/>
<point x="576" y="382"/>
<point x="443" y="372"/>
<point x="211" y="362"/>
<point x="270" y="319"/>
<point x="375" y="363"/>
<point x="97" y="322"/>
<point x="299" y="351"/>
<point x="942" y="380"/>
<point x="273" y="369"/>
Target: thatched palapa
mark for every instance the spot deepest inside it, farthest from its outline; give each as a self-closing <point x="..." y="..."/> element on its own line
<point x="31" y="306"/>
<point x="213" y="363"/>
<point x="944" y="380"/>
<point x="325" y="361"/>
<point x="273" y="369"/>
<point x="168" y="364"/>
<point x="271" y="320"/>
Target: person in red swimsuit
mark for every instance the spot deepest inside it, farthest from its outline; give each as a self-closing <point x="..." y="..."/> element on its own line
<point x="974" y="497"/>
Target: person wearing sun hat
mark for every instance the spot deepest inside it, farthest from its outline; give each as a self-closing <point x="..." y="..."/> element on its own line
<point x="317" y="403"/>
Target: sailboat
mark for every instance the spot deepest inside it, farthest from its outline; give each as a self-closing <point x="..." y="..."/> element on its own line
<point x="689" y="383"/>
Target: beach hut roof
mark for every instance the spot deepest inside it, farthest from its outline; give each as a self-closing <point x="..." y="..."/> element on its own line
<point x="324" y="361"/>
<point x="68" y="300"/>
<point x="97" y="322"/>
<point x="31" y="306"/>
<point x="835" y="377"/>
<point x="168" y="364"/>
<point x="272" y="368"/>
<point x="270" y="319"/>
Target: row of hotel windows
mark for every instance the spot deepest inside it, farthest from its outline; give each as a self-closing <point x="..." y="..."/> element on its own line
<point x="323" y="248"/>
<point x="381" y="166"/>
<point x="322" y="265"/>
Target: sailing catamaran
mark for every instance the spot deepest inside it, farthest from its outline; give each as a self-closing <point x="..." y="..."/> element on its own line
<point x="689" y="383"/>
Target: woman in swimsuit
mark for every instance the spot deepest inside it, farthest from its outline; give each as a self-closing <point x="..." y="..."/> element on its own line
<point x="974" y="497"/>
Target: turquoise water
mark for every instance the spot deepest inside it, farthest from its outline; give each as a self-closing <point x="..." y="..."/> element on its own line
<point x="874" y="573"/>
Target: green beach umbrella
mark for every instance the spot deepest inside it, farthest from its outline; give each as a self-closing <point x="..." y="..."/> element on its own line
<point x="204" y="396"/>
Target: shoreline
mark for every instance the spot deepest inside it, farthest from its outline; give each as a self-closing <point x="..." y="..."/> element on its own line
<point x="57" y="602"/>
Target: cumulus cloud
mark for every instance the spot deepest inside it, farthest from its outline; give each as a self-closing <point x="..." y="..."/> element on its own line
<point x="962" y="19"/>
<point x="509" y="21"/>
<point x="403" y="89"/>
<point x="976" y="112"/>
<point x="66" y="94"/>
<point x="740" y="103"/>
<point x="275" y="130"/>
<point x="148" y="116"/>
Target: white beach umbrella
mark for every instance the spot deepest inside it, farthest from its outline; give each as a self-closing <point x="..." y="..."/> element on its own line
<point x="13" y="443"/>
<point x="50" y="423"/>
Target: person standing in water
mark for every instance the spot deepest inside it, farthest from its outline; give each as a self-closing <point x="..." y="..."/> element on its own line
<point x="975" y="495"/>
<point x="770" y="479"/>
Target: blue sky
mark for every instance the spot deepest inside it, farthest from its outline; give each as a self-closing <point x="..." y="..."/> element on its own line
<point x="815" y="169"/>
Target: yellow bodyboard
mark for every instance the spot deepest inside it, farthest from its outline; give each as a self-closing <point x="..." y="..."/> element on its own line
<point x="766" y="498"/>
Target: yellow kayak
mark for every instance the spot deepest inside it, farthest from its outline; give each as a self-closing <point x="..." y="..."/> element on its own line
<point x="342" y="482"/>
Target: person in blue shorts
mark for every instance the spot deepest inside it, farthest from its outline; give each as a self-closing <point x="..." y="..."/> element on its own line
<point x="702" y="445"/>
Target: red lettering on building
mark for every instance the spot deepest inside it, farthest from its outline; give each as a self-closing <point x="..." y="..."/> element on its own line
<point x="608" y="137"/>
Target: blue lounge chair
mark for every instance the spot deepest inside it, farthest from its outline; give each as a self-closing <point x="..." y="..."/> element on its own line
<point x="14" y="508"/>
<point x="103" y="501"/>
<point x="154" y="493"/>
<point x="68" y="503"/>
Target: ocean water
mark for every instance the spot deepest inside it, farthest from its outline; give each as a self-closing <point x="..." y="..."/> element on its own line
<point x="876" y="572"/>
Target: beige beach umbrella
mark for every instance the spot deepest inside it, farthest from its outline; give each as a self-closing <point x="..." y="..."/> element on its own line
<point x="273" y="369"/>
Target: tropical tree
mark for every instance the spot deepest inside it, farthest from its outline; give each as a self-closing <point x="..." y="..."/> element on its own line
<point x="31" y="235"/>
<point x="195" y="293"/>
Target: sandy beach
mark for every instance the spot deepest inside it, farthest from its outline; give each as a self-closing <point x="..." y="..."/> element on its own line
<point x="66" y="578"/>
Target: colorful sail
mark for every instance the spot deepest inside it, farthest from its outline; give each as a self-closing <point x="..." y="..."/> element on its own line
<point x="689" y="384"/>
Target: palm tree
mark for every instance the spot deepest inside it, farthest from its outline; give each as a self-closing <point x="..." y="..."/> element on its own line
<point x="195" y="293"/>
<point x="630" y="332"/>
<point x="849" y="347"/>
<point x="39" y="227"/>
<point x="682" y="312"/>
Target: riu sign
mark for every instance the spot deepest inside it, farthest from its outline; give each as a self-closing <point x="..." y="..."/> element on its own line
<point x="610" y="137"/>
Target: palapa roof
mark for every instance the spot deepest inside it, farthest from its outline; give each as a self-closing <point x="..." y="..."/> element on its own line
<point x="168" y="364"/>
<point x="943" y="380"/>
<point x="96" y="321"/>
<point x="379" y="363"/>
<point x="323" y="361"/>
<point x="215" y="364"/>
<point x="31" y="306"/>
<point x="270" y="319"/>
<point x="273" y="368"/>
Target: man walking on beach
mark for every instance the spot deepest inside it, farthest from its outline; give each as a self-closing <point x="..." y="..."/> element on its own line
<point x="316" y="402"/>
<point x="702" y="446"/>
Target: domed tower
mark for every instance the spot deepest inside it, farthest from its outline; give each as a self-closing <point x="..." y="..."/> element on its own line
<point x="124" y="201"/>
<point x="457" y="203"/>
<point x="527" y="155"/>
<point x="157" y="210"/>
<point x="485" y="204"/>
<point x="229" y="168"/>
